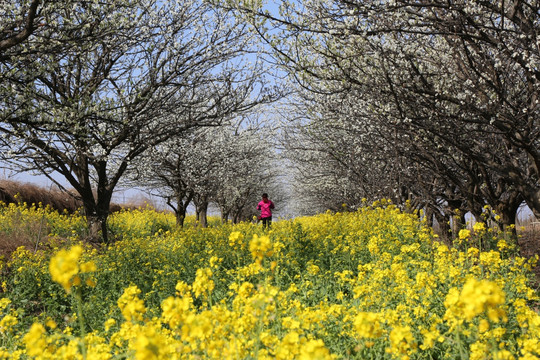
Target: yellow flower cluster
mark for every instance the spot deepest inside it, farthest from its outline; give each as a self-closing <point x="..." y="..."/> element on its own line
<point x="368" y="325"/>
<point x="64" y="268"/>
<point x="464" y="234"/>
<point x="131" y="306"/>
<point x="476" y="298"/>
<point x="140" y="223"/>
<point x="370" y="284"/>
<point x="203" y="284"/>
<point x="23" y="220"/>
<point x="8" y="320"/>
<point x="260" y="247"/>
<point x="235" y="239"/>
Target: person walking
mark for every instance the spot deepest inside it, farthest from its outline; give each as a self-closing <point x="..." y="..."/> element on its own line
<point x="265" y="206"/>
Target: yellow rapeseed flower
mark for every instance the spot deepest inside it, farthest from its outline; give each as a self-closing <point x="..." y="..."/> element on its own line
<point x="35" y="340"/>
<point x="401" y="342"/>
<point x="313" y="269"/>
<point x="430" y="336"/>
<point x="203" y="284"/>
<point x="130" y="305"/>
<point x="182" y="288"/>
<point x="288" y="347"/>
<point x="175" y="310"/>
<point x="368" y="325"/>
<point x="314" y="350"/>
<point x="479" y="227"/>
<point x="64" y="266"/>
<point x="464" y="234"/>
<point x="235" y="238"/>
<point x="150" y="345"/>
<point x="260" y="247"/>
<point x="7" y="323"/>
<point x="88" y="266"/>
<point x="109" y="323"/>
<point x="482" y="296"/>
<point x="478" y="351"/>
<point x="4" y="302"/>
<point x="290" y="323"/>
<point x="51" y="324"/>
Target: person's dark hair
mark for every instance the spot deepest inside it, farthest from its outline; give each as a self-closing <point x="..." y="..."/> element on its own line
<point x="265" y="195"/>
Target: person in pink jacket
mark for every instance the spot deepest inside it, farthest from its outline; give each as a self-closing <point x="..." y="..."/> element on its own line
<point x="265" y="206"/>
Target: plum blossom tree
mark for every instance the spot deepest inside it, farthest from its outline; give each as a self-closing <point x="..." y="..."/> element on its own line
<point x="451" y="88"/>
<point x="19" y="21"/>
<point x="249" y="168"/>
<point x="337" y="160"/>
<point x="30" y="27"/>
<point x="225" y="165"/>
<point x="132" y="73"/>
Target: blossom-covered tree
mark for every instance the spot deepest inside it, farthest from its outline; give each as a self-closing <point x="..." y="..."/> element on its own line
<point x="133" y="73"/>
<point x="19" y="21"/>
<point x="223" y="165"/>
<point x="250" y="168"/>
<point x="452" y="87"/>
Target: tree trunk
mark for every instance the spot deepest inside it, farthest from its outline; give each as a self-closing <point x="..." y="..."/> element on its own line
<point x="458" y="222"/>
<point x="532" y="198"/>
<point x="180" y="215"/>
<point x="180" y="208"/>
<point x="201" y="209"/>
<point x="239" y="213"/>
<point x="97" y="228"/>
<point x="507" y="211"/>
<point x="96" y="218"/>
<point x="95" y="205"/>
<point x="428" y="215"/>
<point x="224" y="217"/>
<point x="444" y="227"/>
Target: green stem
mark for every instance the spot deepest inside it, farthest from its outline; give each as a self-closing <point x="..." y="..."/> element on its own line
<point x="78" y="298"/>
<point x="457" y="332"/>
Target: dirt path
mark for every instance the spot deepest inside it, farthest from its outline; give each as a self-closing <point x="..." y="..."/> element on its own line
<point x="529" y="245"/>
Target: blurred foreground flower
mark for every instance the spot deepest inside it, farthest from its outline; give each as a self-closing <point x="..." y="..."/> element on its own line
<point x="64" y="267"/>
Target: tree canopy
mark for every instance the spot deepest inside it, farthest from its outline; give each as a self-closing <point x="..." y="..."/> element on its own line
<point x="132" y="74"/>
<point x="433" y="104"/>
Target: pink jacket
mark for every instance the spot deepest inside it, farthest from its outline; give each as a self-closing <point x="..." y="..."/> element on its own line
<point x="266" y="208"/>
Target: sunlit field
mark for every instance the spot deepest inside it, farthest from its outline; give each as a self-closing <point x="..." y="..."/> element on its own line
<point x="371" y="284"/>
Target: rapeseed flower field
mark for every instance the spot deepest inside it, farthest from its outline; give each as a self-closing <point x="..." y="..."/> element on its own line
<point x="370" y="284"/>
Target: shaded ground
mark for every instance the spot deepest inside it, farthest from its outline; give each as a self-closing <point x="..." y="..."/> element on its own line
<point x="529" y="245"/>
